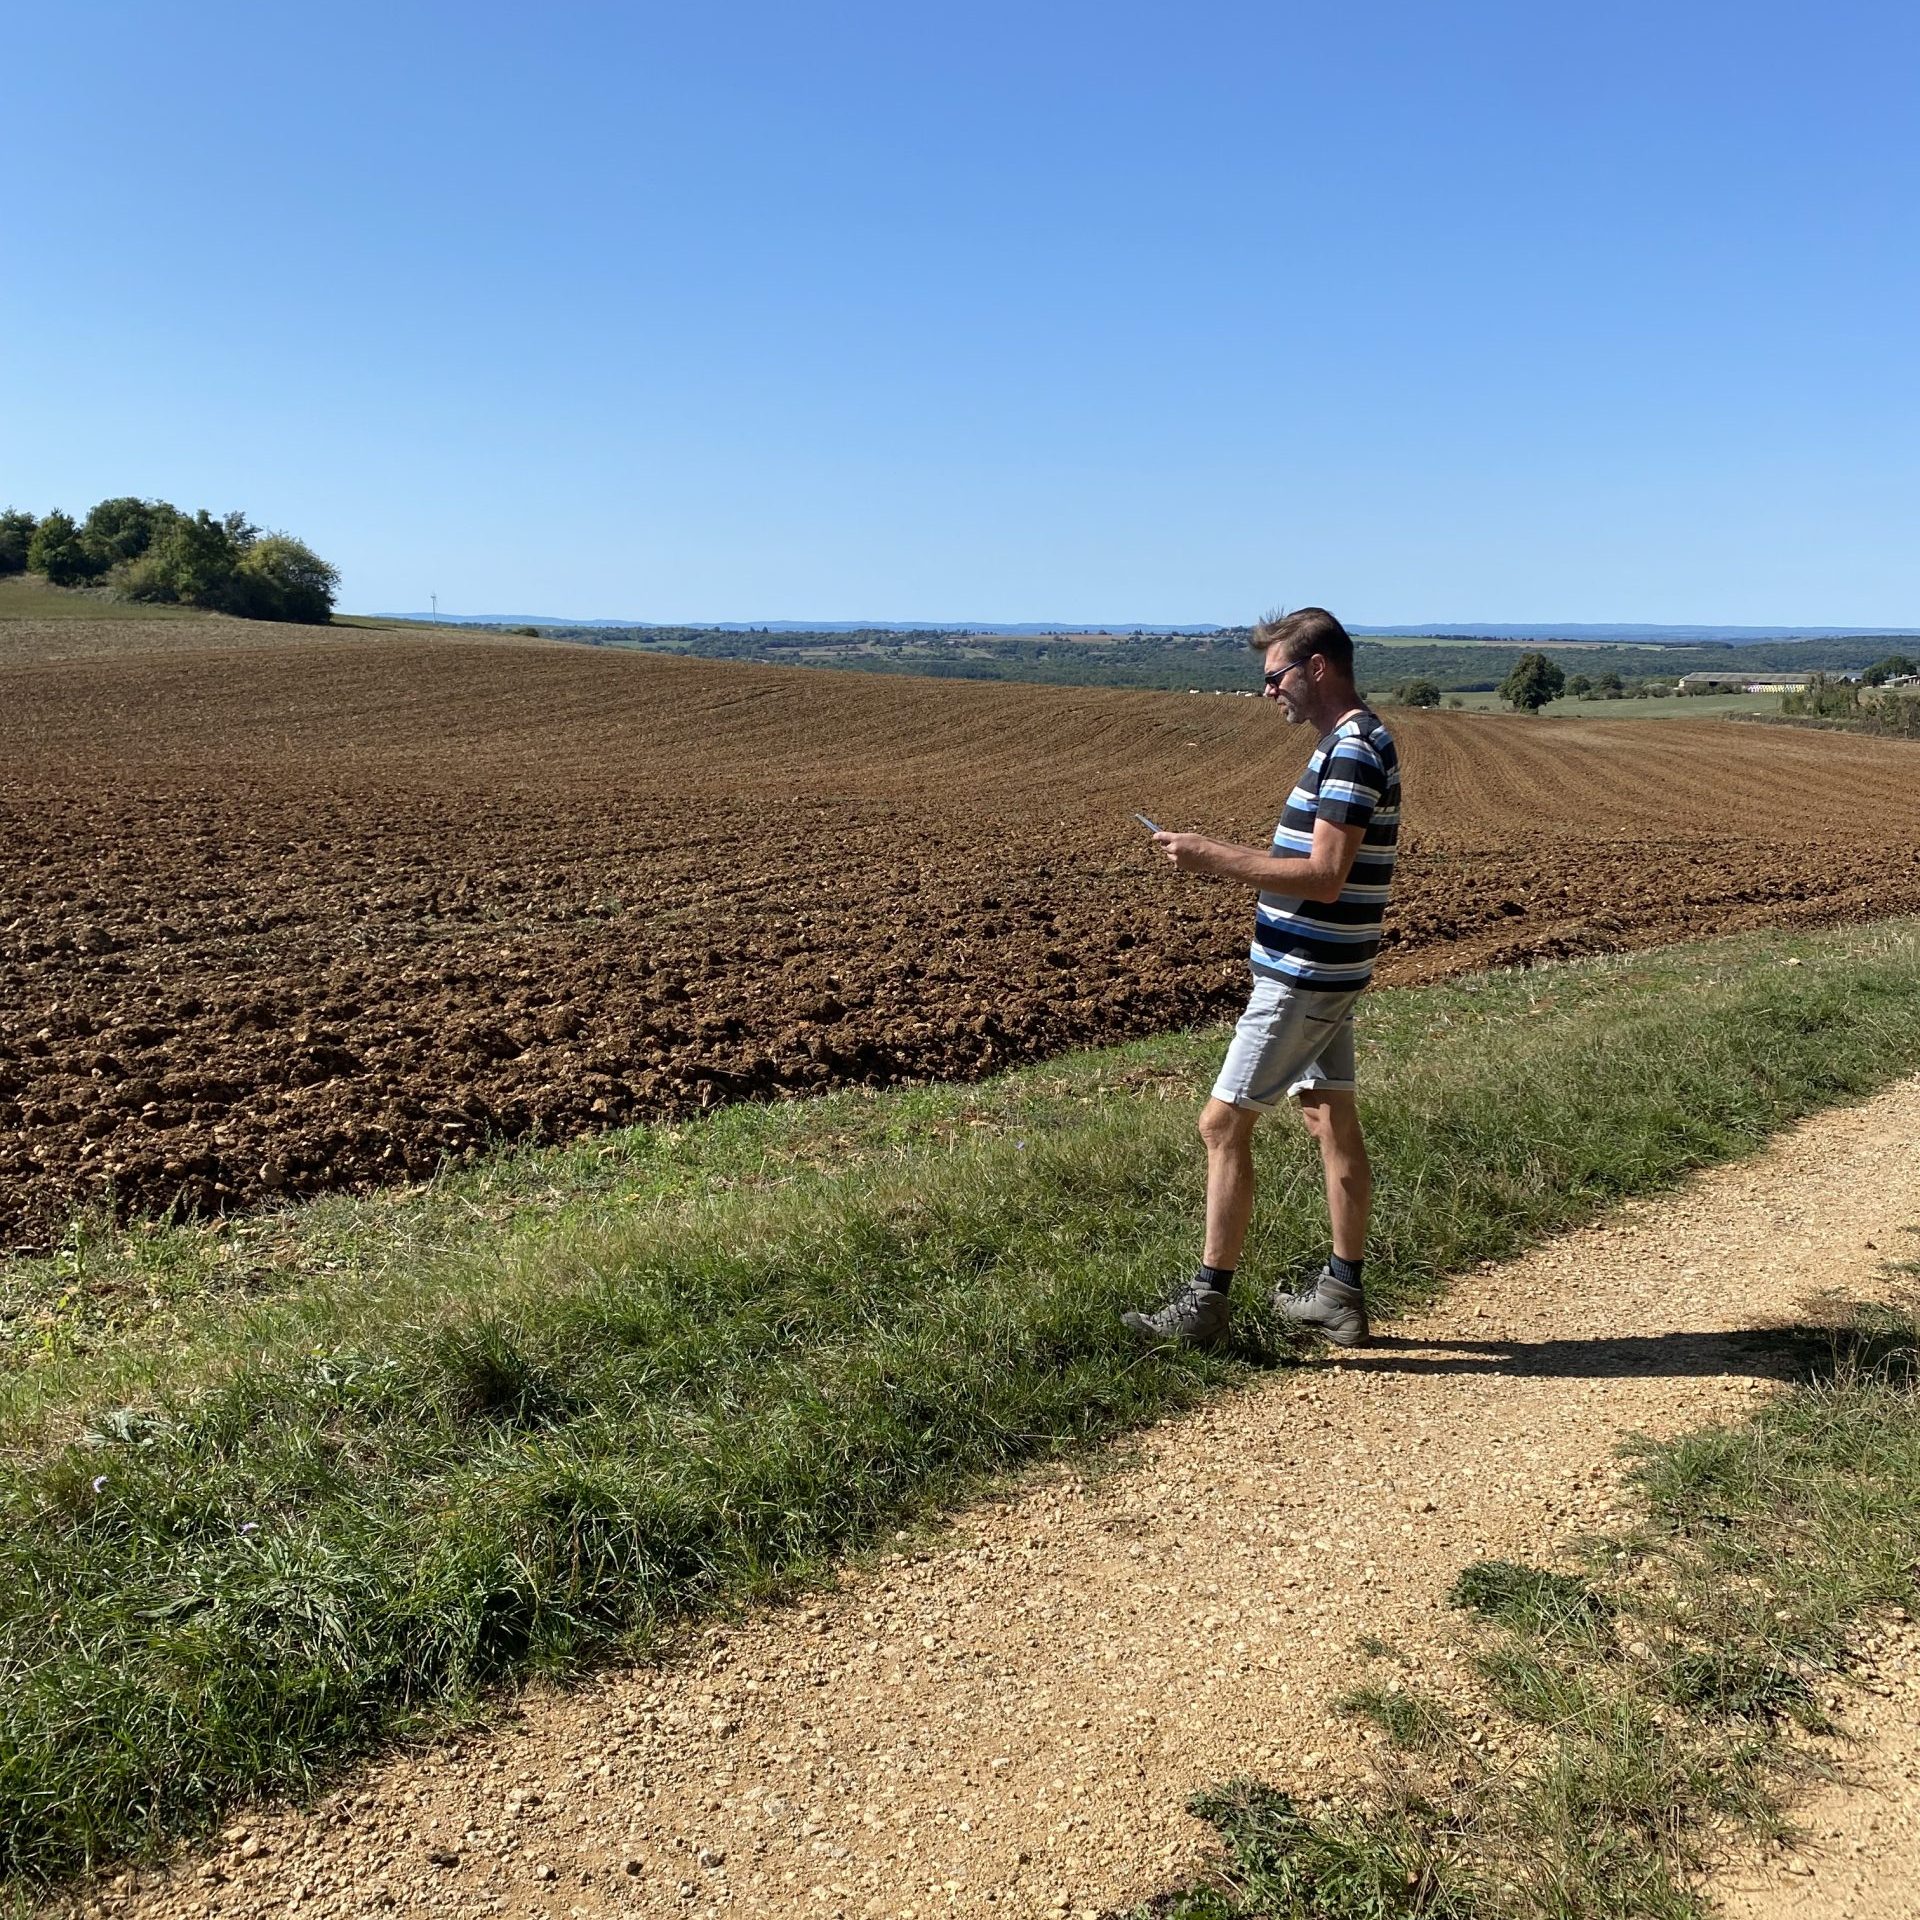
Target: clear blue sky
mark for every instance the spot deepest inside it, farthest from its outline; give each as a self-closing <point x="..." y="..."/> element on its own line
<point x="1048" y="311"/>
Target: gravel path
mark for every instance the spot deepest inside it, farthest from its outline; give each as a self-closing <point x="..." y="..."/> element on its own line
<point x="1009" y="1718"/>
<point x="1859" y="1857"/>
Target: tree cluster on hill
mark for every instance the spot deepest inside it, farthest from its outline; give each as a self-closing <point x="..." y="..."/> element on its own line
<point x="1533" y="681"/>
<point x="151" y="550"/>
<point x="1168" y="662"/>
<point x="1457" y="668"/>
<point x="1896" y="666"/>
<point x="1864" y="706"/>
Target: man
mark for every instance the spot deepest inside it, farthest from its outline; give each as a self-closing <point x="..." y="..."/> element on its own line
<point x="1323" y="889"/>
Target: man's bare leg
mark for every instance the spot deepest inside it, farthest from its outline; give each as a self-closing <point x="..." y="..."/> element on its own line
<point x="1334" y="1121"/>
<point x="1335" y="1306"/>
<point x="1228" y="1133"/>
<point x="1198" y="1314"/>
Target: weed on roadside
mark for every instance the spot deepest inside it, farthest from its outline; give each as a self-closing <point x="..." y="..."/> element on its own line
<point x="1414" y="1723"/>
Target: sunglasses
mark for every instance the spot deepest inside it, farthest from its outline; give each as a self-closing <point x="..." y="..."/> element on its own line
<point x="1275" y="675"/>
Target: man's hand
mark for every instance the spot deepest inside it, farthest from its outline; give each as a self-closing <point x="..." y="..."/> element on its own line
<point x="1190" y="852"/>
<point x="1317" y="876"/>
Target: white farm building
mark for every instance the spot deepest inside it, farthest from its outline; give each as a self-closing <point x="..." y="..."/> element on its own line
<point x="1742" y="683"/>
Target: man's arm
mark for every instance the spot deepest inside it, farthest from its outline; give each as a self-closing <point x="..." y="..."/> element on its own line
<point x="1318" y="875"/>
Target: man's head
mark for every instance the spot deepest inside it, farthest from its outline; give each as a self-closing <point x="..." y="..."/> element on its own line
<point x="1309" y="657"/>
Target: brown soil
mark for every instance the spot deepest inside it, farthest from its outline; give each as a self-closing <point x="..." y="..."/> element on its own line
<point x="305" y="908"/>
<point x="1009" y="1720"/>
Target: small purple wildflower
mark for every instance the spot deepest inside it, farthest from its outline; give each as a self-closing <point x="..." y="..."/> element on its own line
<point x="250" y="1526"/>
<point x="99" y="1483"/>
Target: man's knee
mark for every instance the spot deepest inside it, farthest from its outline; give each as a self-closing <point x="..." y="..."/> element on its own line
<point x="1334" y="1121"/>
<point x="1223" y="1126"/>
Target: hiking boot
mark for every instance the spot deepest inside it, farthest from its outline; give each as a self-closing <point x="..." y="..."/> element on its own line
<point x="1196" y="1316"/>
<point x="1331" y="1308"/>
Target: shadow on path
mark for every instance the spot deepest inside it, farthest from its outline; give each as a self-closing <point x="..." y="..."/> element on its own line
<point x="1761" y="1353"/>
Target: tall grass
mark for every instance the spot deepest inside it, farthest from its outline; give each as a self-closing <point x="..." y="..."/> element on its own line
<point x="275" y="1490"/>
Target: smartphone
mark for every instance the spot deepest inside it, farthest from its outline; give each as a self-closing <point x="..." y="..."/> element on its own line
<point x="1148" y="824"/>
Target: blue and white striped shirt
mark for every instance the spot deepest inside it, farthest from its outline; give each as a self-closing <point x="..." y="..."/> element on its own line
<point x="1329" y="946"/>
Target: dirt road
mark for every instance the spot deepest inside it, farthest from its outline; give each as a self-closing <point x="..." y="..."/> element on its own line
<point x="1010" y="1718"/>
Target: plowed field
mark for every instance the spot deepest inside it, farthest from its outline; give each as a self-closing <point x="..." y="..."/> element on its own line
<point x="322" y="913"/>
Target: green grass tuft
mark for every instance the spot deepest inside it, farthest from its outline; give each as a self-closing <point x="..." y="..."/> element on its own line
<point x="1326" y="1867"/>
<point x="1729" y="1683"/>
<point x="1411" y="1721"/>
<point x="1529" y="1600"/>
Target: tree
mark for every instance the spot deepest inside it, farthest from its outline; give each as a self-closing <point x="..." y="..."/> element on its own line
<point x="58" y="551"/>
<point x="281" y="578"/>
<point x="191" y="560"/>
<point x="16" y="536"/>
<point x="1419" y="693"/>
<point x="1824" y="697"/>
<point x="124" y="528"/>
<point x="1533" y="682"/>
<point x="156" y="552"/>
<point x="1894" y="666"/>
<point x="1610" y="686"/>
<point x="1578" y="686"/>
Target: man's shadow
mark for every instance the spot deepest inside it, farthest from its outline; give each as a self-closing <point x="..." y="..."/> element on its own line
<point x="1792" y="1352"/>
<point x="1758" y="1352"/>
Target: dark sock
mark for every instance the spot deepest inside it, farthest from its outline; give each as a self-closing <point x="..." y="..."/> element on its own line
<point x="1347" y="1272"/>
<point x="1218" y="1278"/>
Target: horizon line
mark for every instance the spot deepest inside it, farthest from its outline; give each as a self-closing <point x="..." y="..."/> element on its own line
<point x="1411" y="628"/>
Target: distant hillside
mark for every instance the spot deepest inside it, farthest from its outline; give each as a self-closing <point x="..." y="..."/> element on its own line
<point x="1217" y="660"/>
<point x="1576" y="632"/>
<point x="1653" y="635"/>
<point x="802" y="626"/>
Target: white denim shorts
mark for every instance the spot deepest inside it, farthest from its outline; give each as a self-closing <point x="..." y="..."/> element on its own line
<point x="1288" y="1043"/>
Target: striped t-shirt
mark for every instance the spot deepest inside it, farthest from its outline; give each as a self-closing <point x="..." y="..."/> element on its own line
<point x="1328" y="946"/>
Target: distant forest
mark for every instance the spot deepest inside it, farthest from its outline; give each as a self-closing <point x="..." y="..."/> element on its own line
<point x="1213" y="662"/>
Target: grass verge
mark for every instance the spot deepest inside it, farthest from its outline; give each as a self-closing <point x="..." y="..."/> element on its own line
<point x="1678" y="706"/>
<point x="29" y="596"/>
<point x="275" y="1491"/>
<point x="1639" y="1718"/>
